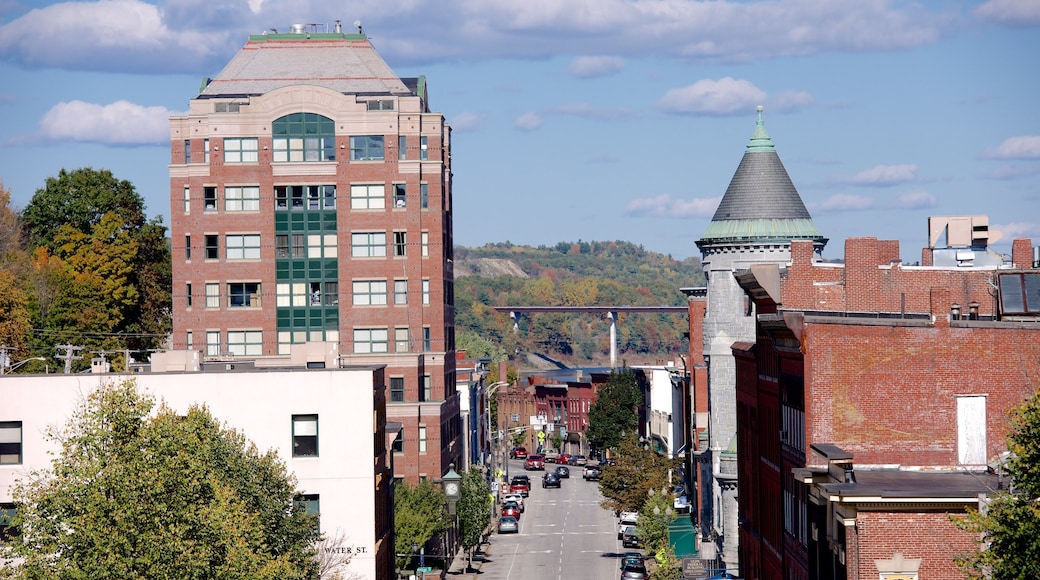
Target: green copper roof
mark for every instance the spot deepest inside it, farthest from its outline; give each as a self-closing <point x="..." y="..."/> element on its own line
<point x="761" y="203"/>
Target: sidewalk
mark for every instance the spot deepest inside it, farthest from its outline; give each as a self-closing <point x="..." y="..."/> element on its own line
<point x="458" y="570"/>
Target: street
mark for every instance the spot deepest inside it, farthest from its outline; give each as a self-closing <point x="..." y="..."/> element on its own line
<point x="564" y="534"/>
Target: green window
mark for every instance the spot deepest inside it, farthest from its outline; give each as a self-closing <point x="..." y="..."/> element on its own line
<point x="366" y="148"/>
<point x="303" y="137"/>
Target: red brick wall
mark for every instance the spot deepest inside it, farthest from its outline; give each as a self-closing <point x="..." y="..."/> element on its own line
<point x="928" y="536"/>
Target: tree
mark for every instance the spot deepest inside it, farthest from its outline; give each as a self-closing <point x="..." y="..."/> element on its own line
<point x="420" y="513"/>
<point x="1009" y="529"/>
<point x="474" y="510"/>
<point x="626" y="486"/>
<point x="10" y="228"/>
<point x="143" y="492"/>
<point x="614" y="412"/>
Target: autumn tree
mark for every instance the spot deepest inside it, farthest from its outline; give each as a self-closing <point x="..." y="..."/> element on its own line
<point x="614" y="412"/>
<point x="140" y="491"/>
<point x="420" y="514"/>
<point x="1008" y="531"/>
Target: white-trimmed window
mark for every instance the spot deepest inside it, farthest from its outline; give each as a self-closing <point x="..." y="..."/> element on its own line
<point x="400" y="244"/>
<point x="212" y="295"/>
<point x="205" y="150"/>
<point x="187" y="200"/>
<point x="242" y="246"/>
<point x="245" y="342"/>
<point x="243" y="295"/>
<point x="401" y="339"/>
<point x="400" y="291"/>
<point x="396" y="389"/>
<point x="424" y="148"/>
<point x="190" y="340"/>
<point x="400" y="195"/>
<point x="422" y="439"/>
<point x="212" y="343"/>
<point x="368" y="196"/>
<point x="425" y="291"/>
<point x="402" y="147"/>
<point x="10" y="442"/>
<point x="370" y="292"/>
<point x="242" y="198"/>
<point x="368" y="245"/>
<point x="371" y="340"/>
<point x="241" y="150"/>
<point x="424" y="196"/>
<point x="322" y="246"/>
<point x="425" y="388"/>
<point x="366" y="148"/>
<point x="305" y="435"/>
<point x="294" y="294"/>
<point x="424" y="242"/>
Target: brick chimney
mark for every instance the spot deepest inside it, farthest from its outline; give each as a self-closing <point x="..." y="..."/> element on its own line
<point x="1022" y="253"/>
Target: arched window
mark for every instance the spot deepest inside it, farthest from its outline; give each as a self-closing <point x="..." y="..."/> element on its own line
<point x="304" y="137"/>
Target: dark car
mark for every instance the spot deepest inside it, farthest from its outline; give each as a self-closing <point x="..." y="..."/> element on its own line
<point x="550" y="480"/>
<point x="631" y="570"/>
<point x="518" y="453"/>
<point x="563" y="472"/>
<point x="629" y="538"/>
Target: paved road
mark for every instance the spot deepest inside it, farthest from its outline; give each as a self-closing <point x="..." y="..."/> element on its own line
<point x="564" y="535"/>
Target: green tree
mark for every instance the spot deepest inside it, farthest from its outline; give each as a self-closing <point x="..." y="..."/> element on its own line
<point x="474" y="510"/>
<point x="627" y="485"/>
<point x="614" y="412"/>
<point x="1008" y="531"/>
<point x="420" y="513"/>
<point x="140" y="492"/>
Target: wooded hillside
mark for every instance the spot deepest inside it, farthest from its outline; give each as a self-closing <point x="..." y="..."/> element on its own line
<point x="571" y="274"/>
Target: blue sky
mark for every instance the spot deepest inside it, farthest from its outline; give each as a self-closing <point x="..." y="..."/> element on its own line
<point x="590" y="119"/>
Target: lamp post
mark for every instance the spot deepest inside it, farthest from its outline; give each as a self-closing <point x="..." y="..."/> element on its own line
<point x="488" y="391"/>
<point x="6" y="366"/>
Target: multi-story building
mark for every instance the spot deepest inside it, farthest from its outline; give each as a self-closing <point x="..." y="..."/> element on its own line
<point x="757" y="218"/>
<point x="872" y="404"/>
<point x="310" y="195"/>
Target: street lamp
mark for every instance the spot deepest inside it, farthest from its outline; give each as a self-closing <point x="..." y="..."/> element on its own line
<point x="6" y="366"/>
<point x="488" y="391"/>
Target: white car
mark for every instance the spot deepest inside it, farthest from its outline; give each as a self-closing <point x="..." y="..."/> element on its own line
<point x="519" y="499"/>
<point x="625" y="520"/>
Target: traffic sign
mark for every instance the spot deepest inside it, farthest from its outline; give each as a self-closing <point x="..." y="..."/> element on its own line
<point x="424" y="569"/>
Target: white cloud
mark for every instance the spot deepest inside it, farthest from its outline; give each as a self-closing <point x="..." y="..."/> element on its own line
<point x="728" y="96"/>
<point x="467" y="121"/>
<point x="1016" y="13"/>
<point x="585" y="67"/>
<point x="118" y="123"/>
<point x="1023" y="147"/>
<point x="528" y="122"/>
<point x="1012" y="231"/>
<point x="1010" y="171"/>
<point x="883" y="175"/>
<point x="915" y="200"/>
<point x="842" y="202"/>
<point x="665" y="206"/>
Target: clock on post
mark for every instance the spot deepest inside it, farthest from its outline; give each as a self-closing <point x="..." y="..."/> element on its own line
<point x="451" y="481"/>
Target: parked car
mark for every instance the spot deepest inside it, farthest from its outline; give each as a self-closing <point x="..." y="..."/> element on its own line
<point x="514" y="497"/>
<point x="534" y="463"/>
<point x="550" y="480"/>
<point x="632" y="557"/>
<point x="508" y="525"/>
<point x="552" y="457"/>
<point x="577" y="460"/>
<point x="630" y="537"/>
<point x="518" y="453"/>
<point x="631" y="570"/>
<point x="511" y="509"/>
<point x="520" y="484"/>
<point x="563" y="472"/>
<point x="591" y="473"/>
<point x="563" y="458"/>
<point x="625" y="520"/>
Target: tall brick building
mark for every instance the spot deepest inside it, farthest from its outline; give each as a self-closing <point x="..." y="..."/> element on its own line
<point x="310" y="195"/>
<point x="758" y="217"/>
<point x="872" y="404"/>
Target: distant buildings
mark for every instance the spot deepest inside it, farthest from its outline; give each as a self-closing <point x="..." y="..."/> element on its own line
<point x="310" y="195"/>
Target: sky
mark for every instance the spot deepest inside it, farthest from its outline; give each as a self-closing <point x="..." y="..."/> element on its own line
<point x="590" y="119"/>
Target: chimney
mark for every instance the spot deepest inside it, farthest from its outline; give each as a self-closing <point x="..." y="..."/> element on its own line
<point x="1022" y="253"/>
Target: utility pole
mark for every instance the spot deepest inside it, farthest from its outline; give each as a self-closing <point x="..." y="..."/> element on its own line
<point x="68" y="356"/>
<point x="5" y="357"/>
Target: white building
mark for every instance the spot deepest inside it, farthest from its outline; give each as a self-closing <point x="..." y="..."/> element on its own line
<point x="327" y="425"/>
<point x="665" y="412"/>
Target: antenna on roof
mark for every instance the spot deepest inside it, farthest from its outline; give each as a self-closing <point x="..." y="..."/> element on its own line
<point x="357" y="24"/>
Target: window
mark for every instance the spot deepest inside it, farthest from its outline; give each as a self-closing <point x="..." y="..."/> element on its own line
<point x="426" y="388"/>
<point x="291" y="295"/>
<point x="400" y="291"/>
<point x="187" y="200"/>
<point x="245" y="342"/>
<point x="189" y="340"/>
<point x="399" y="442"/>
<point x="7" y="531"/>
<point x="367" y="197"/>
<point x="426" y="339"/>
<point x="424" y="196"/>
<point x="226" y="107"/>
<point x="424" y="148"/>
<point x="424" y="242"/>
<point x="396" y="389"/>
<point x="400" y="195"/>
<point x="187" y="247"/>
<point x="245" y="198"/>
<point x="243" y="247"/>
<point x="212" y="343"/>
<point x="380" y="105"/>
<point x="331" y="293"/>
<point x="305" y="435"/>
<point x="422" y="439"/>
<point x="283" y="249"/>
<point x="187" y="151"/>
<point x="400" y="340"/>
<point x="241" y="150"/>
<point x="311" y="504"/>
<point x="400" y="243"/>
<point x="319" y="246"/>
<point x="370" y="293"/>
<point x="368" y="245"/>
<point x="243" y="295"/>
<point x="212" y="295"/>
<point x="370" y="340"/>
<point x="366" y="148"/>
<point x="10" y="442"/>
<point x="425" y="291"/>
<point x="205" y="150"/>
<point x="212" y="250"/>
<point x="209" y="197"/>
<point x="402" y="144"/>
<point x="303" y="137"/>
<point x="329" y="196"/>
<point x="187" y="294"/>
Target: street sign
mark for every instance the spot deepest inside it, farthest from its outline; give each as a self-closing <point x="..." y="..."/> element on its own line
<point x="424" y="569"/>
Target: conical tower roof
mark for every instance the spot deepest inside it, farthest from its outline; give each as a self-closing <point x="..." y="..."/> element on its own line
<point x="761" y="204"/>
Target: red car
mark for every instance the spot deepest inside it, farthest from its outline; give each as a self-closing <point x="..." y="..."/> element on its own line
<point x="534" y="463"/>
<point x="518" y="453"/>
<point x="511" y="510"/>
<point x="520" y="484"/>
<point x="563" y="458"/>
